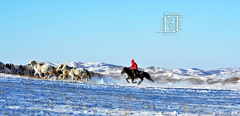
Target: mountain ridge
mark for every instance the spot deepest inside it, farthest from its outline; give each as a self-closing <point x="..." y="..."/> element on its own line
<point x="158" y="73"/>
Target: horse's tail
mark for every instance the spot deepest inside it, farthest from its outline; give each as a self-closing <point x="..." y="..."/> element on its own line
<point x="89" y="75"/>
<point x="148" y="77"/>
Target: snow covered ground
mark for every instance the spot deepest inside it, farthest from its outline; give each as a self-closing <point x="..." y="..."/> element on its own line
<point x="109" y="96"/>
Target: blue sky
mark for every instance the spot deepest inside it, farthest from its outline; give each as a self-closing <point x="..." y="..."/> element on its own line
<point x="117" y="31"/>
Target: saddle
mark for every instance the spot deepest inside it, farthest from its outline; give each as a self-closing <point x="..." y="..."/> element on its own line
<point x="138" y="73"/>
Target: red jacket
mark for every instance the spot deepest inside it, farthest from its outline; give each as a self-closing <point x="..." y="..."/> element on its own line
<point x="134" y="65"/>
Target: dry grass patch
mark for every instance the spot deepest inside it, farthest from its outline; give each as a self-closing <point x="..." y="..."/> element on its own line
<point x="233" y="80"/>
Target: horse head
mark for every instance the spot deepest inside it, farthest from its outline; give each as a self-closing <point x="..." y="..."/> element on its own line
<point x="124" y="70"/>
<point x="64" y="67"/>
<point x="59" y="67"/>
<point x="32" y="63"/>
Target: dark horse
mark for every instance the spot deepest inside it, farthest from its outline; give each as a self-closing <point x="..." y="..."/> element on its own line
<point x="140" y="74"/>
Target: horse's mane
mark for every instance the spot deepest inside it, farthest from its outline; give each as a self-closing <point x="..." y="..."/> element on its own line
<point x="69" y="66"/>
<point x="41" y="63"/>
<point x="126" y="68"/>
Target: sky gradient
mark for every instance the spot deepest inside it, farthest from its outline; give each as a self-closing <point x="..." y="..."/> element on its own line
<point x="117" y="31"/>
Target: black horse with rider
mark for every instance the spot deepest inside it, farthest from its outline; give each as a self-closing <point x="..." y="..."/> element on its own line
<point x="134" y="73"/>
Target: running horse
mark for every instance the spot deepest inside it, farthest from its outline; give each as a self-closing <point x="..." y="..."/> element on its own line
<point x="140" y="74"/>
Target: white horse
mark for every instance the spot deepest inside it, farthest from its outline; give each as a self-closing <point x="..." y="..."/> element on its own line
<point x="82" y="72"/>
<point x="76" y="72"/>
<point x="41" y="68"/>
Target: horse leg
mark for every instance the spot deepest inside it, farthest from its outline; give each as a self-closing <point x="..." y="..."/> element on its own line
<point x="77" y="77"/>
<point x="82" y="78"/>
<point x="56" y="74"/>
<point x="127" y="80"/>
<point x="35" y="74"/>
<point x="49" y="75"/>
<point x="86" y="77"/>
<point x="72" y="77"/>
<point x="45" y="75"/>
<point x="40" y="75"/>
<point x="133" y="80"/>
<point x="140" y="81"/>
<point x="59" y="76"/>
<point x="64" y="77"/>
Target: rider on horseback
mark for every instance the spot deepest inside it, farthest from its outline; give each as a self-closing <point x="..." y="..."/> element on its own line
<point x="134" y="68"/>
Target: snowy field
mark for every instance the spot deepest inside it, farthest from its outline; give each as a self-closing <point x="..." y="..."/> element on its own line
<point x="28" y="96"/>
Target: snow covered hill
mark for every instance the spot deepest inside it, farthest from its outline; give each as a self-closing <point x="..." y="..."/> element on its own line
<point x="194" y="75"/>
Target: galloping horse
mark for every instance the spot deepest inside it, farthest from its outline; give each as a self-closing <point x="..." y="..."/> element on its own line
<point x="39" y="68"/>
<point x="140" y="74"/>
<point x="70" y="71"/>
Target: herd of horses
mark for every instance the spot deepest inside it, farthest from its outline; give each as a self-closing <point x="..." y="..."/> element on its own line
<point x="64" y="71"/>
<point x="60" y="71"/>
